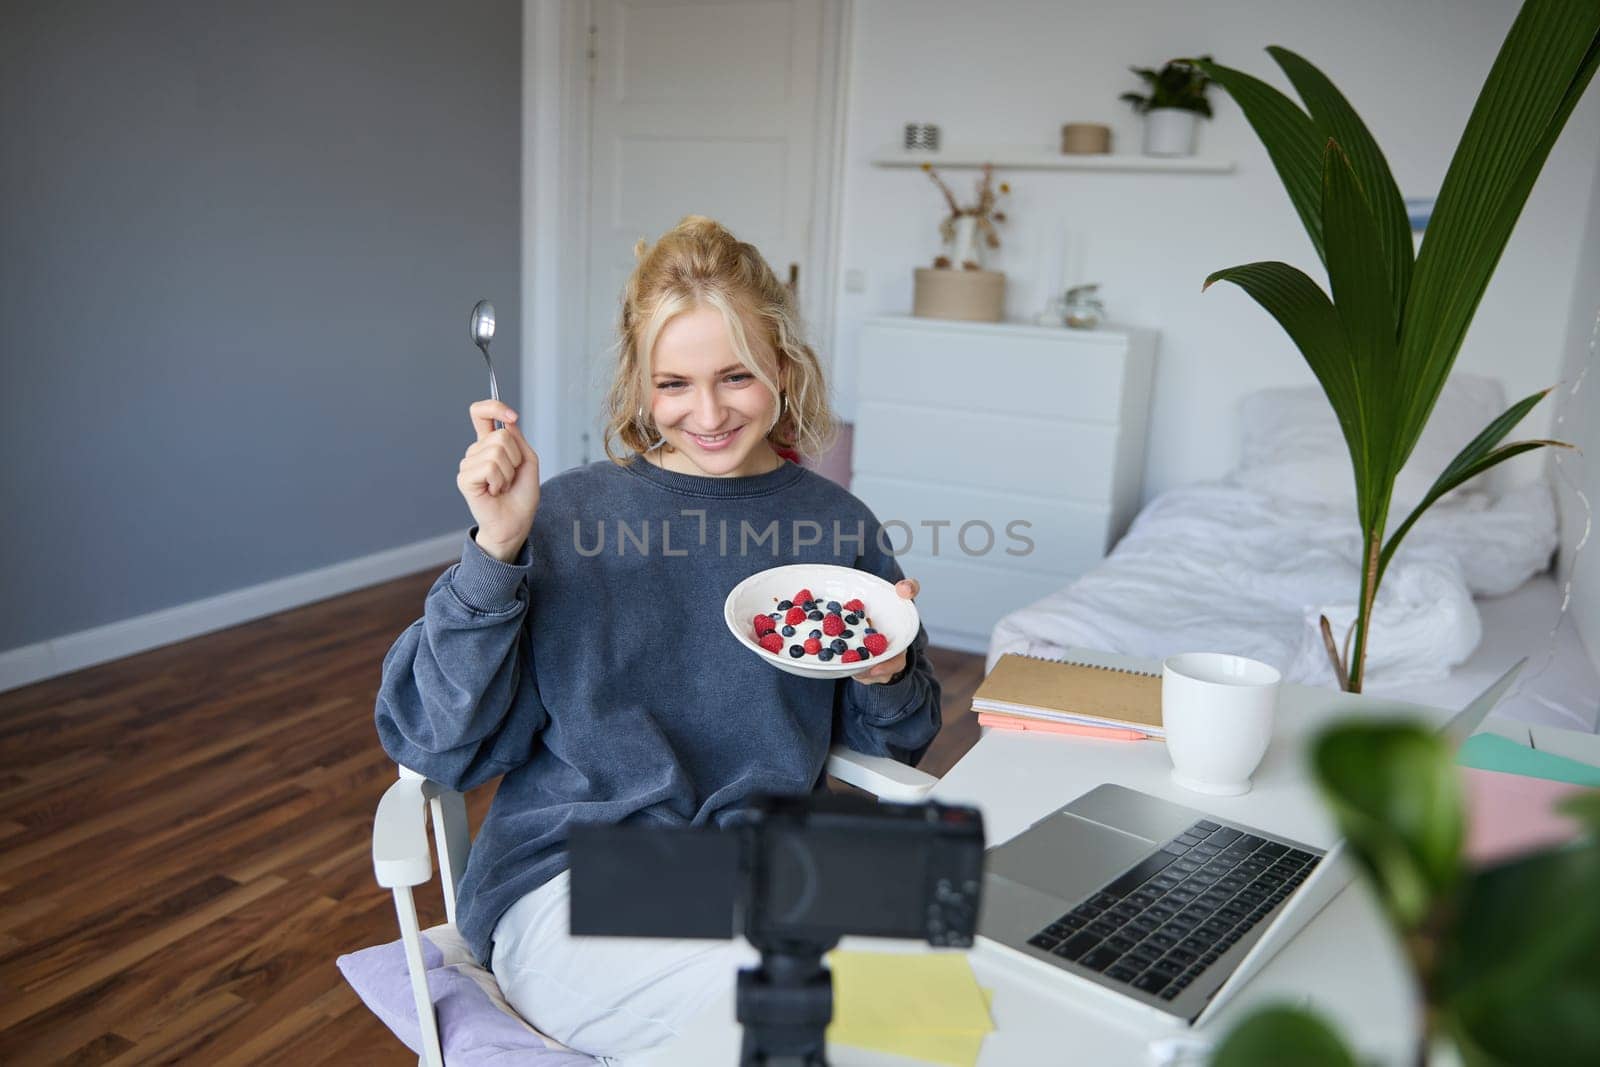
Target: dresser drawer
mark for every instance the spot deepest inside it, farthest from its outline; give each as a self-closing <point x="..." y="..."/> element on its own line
<point x="1050" y="374"/>
<point x="1057" y="536"/>
<point x="1051" y="458"/>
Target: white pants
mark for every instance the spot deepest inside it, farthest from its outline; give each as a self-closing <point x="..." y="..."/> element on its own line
<point x="607" y="996"/>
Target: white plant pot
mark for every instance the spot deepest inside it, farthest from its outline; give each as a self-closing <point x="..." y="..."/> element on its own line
<point x="1169" y="131"/>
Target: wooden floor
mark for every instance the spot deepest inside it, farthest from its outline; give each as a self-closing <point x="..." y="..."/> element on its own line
<point x="184" y="843"/>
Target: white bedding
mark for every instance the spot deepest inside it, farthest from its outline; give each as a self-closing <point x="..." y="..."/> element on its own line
<point x="1227" y="568"/>
<point x="1559" y="687"/>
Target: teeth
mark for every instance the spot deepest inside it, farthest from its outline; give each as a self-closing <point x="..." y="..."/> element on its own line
<point x="712" y="440"/>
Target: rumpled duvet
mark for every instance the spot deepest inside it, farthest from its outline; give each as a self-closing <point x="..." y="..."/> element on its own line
<point x="1218" y="567"/>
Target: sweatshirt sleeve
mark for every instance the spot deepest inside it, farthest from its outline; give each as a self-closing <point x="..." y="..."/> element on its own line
<point x="897" y="719"/>
<point x="452" y="704"/>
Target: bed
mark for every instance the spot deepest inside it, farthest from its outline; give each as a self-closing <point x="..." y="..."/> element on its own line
<point x="1248" y="564"/>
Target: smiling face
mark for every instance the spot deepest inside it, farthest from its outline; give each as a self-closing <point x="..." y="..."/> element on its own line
<point x="706" y="403"/>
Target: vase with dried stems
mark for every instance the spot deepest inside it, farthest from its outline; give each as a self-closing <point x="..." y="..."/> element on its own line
<point x="967" y="231"/>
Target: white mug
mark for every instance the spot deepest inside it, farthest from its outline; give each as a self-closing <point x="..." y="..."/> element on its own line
<point x="1217" y="711"/>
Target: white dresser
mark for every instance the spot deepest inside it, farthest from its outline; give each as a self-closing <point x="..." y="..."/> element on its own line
<point x="990" y="437"/>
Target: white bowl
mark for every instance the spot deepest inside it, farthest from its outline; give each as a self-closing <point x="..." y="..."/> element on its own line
<point x="892" y="615"/>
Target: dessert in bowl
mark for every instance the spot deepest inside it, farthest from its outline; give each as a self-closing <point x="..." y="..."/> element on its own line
<point x="846" y="622"/>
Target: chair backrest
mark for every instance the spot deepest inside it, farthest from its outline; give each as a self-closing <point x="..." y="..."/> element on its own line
<point x="451" y="835"/>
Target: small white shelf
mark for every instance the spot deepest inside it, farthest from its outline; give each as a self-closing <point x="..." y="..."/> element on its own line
<point x="1048" y="159"/>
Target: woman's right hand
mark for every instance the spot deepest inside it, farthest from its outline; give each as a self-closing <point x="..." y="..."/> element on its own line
<point x="499" y="478"/>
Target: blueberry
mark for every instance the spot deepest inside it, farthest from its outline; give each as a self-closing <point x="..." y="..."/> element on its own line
<point x="815" y="616"/>
<point x="847" y="633"/>
<point x="825" y="655"/>
<point x="851" y="619"/>
<point x="838" y="644"/>
<point x="869" y="632"/>
<point x="787" y="631"/>
<point x="814" y="633"/>
<point x="785" y="605"/>
<point x="833" y="606"/>
<point x="863" y="653"/>
<point x="775" y="615"/>
<point x="797" y="651"/>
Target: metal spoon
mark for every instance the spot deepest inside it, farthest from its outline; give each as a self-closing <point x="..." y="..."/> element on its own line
<point x="482" y="334"/>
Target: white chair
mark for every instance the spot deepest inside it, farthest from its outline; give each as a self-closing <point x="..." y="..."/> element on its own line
<point x="401" y="859"/>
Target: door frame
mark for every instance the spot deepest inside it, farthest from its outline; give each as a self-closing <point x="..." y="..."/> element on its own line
<point x="557" y="60"/>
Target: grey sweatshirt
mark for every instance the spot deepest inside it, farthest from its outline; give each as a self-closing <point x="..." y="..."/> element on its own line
<point x="595" y="672"/>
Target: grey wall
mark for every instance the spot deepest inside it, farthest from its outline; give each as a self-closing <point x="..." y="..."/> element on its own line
<point x="238" y="248"/>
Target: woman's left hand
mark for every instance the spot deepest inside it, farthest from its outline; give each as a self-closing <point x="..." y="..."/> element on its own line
<point x="908" y="588"/>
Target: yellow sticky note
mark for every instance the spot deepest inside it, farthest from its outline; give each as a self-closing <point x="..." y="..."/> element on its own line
<point x="923" y="1005"/>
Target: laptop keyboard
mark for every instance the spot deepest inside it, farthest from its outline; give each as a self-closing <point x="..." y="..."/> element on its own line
<point x="1162" y="923"/>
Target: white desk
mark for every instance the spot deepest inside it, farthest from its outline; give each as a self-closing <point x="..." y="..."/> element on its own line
<point x="1344" y="963"/>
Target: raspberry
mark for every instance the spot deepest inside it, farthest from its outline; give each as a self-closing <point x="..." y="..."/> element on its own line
<point x="849" y="656"/>
<point x="813" y="646"/>
<point x="855" y="607"/>
<point x="772" y="643"/>
<point x="764" y="625"/>
<point x="875" y="643"/>
<point x="802" y="596"/>
<point x="832" y="625"/>
<point x="795" y="616"/>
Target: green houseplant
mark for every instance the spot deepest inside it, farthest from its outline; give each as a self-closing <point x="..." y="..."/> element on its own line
<point x="1176" y="102"/>
<point x="1507" y="957"/>
<point x="1383" y="342"/>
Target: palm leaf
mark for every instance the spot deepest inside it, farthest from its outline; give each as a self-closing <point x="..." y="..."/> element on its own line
<point x="1337" y="120"/>
<point x="1359" y="278"/>
<point x="1547" y="61"/>
<point x="1441" y="487"/>
<point x="1479" y="455"/>
<point x="1290" y="137"/>
<point x="1308" y="317"/>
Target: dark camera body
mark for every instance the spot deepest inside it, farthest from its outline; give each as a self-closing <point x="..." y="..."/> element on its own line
<point x="801" y="869"/>
<point x="794" y="875"/>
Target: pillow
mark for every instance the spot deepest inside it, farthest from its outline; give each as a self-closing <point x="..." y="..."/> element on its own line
<point x="476" y="1024"/>
<point x="1292" y="448"/>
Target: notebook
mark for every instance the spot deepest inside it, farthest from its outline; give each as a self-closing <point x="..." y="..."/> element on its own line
<point x="1033" y="689"/>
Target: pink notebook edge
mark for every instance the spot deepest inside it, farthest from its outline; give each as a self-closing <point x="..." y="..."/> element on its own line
<point x="1105" y="733"/>
<point x="1509" y="815"/>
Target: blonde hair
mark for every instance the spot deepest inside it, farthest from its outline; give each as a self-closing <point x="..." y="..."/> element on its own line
<point x="698" y="263"/>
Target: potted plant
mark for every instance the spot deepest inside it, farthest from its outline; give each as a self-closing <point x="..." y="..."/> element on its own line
<point x="1172" y="110"/>
<point x="1506" y="956"/>
<point x="1382" y="340"/>
<point x="958" y="286"/>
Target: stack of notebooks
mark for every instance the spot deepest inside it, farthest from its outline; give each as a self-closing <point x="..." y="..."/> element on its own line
<point x="1059" y="696"/>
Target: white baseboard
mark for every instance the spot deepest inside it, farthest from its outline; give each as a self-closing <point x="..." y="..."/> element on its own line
<point x="939" y="637"/>
<point x="86" y="648"/>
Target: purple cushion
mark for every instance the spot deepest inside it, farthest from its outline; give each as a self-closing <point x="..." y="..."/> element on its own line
<point x="476" y="1025"/>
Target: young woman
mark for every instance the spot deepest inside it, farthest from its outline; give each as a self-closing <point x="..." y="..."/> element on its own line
<point x="578" y="648"/>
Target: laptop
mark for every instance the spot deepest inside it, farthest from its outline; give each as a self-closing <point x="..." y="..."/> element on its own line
<point x="1159" y="904"/>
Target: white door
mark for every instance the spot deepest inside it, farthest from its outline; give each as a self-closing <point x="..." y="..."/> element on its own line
<point x="703" y="107"/>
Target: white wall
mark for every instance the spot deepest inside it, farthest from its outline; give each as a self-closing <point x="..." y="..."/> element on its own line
<point x="1012" y="71"/>
<point x="1579" y="423"/>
